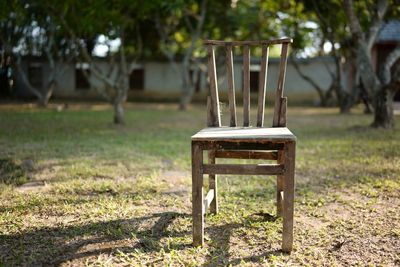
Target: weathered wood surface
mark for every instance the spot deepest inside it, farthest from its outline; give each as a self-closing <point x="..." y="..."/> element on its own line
<point x="282" y="113"/>
<point x="246" y="86"/>
<point x="239" y="43"/>
<point x="207" y="200"/>
<point x="267" y="169"/>
<point x="276" y="143"/>
<point x="209" y="113"/>
<point x="197" y="196"/>
<point x="279" y="185"/>
<point x="213" y="180"/>
<point x="240" y="144"/>
<point x="288" y="200"/>
<point x="280" y="86"/>
<point x="212" y="74"/>
<point x="262" y="86"/>
<point x="231" y="86"/>
<point x="234" y="154"/>
<point x="238" y="133"/>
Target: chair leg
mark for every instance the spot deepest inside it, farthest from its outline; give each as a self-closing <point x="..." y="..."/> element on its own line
<point x="197" y="196"/>
<point x="279" y="185"/>
<point x="288" y="200"/>
<point x="213" y="183"/>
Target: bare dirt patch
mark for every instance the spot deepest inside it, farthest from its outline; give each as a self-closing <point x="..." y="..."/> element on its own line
<point x="33" y="186"/>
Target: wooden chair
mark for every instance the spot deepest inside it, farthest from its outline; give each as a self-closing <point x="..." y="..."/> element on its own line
<point x="276" y="143"/>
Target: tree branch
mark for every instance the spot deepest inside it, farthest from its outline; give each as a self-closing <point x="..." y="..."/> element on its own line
<point x="394" y="84"/>
<point x="389" y="62"/>
<point x="307" y="78"/>
<point x="377" y="21"/>
<point x="188" y="23"/>
<point x="25" y="79"/>
<point x="354" y="23"/>
<point x="98" y="73"/>
<point x="199" y="27"/>
<point x="164" y="39"/>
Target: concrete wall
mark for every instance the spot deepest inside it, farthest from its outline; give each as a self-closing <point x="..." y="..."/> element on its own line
<point x="66" y="79"/>
<point x="161" y="77"/>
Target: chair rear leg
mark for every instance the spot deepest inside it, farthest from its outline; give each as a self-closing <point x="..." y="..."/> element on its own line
<point x="279" y="186"/>
<point x="288" y="200"/>
<point x="197" y="196"/>
<point x="213" y="183"/>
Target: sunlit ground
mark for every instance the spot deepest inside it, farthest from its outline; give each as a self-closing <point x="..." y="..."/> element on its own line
<point x="82" y="191"/>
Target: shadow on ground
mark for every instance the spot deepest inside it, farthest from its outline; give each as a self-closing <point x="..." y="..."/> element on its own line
<point x="53" y="246"/>
<point x="58" y="245"/>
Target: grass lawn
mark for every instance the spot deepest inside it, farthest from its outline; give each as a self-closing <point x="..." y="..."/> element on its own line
<point x="104" y="195"/>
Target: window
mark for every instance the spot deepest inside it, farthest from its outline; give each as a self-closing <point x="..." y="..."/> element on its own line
<point x="254" y="80"/>
<point x="81" y="81"/>
<point x="397" y="96"/>
<point x="35" y="75"/>
<point x="254" y="76"/>
<point x="136" y="80"/>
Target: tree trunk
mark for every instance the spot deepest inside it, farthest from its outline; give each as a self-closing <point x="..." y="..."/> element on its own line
<point x="42" y="102"/>
<point x="346" y="100"/>
<point x="118" y="112"/>
<point x="122" y="89"/>
<point x="384" y="115"/>
<point x="187" y="85"/>
<point x="187" y="88"/>
<point x="44" y="99"/>
<point x="381" y="88"/>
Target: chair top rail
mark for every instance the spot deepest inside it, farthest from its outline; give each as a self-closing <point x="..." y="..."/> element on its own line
<point x="239" y="43"/>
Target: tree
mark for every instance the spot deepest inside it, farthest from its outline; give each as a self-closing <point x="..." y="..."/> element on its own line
<point x="331" y="30"/>
<point x="300" y="23"/>
<point x="180" y="27"/>
<point x="113" y="20"/>
<point x="27" y="30"/>
<point x="382" y="86"/>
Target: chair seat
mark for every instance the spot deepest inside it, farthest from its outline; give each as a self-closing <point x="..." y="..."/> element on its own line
<point x="276" y="134"/>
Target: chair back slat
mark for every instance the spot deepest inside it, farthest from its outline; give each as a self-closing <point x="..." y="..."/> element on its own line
<point x="282" y="117"/>
<point x="262" y="86"/>
<point x="279" y="90"/>
<point x="215" y="117"/>
<point x="246" y="86"/>
<point x="213" y="108"/>
<point x="231" y="86"/>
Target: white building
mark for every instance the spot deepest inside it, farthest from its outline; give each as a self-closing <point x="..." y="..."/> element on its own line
<point x="160" y="77"/>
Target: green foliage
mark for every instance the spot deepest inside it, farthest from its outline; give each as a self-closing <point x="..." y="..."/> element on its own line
<point x="246" y="19"/>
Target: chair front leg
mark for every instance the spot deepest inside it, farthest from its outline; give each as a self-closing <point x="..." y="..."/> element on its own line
<point x="197" y="195"/>
<point x="288" y="199"/>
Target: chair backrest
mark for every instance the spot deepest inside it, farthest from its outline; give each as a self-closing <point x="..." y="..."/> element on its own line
<point x="213" y="108"/>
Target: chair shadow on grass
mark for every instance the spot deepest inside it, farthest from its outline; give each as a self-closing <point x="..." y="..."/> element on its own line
<point x="54" y="246"/>
<point x="220" y="240"/>
<point x="57" y="245"/>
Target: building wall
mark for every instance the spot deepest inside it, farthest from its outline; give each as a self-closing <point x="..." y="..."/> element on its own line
<point x="161" y="77"/>
<point x="66" y="80"/>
